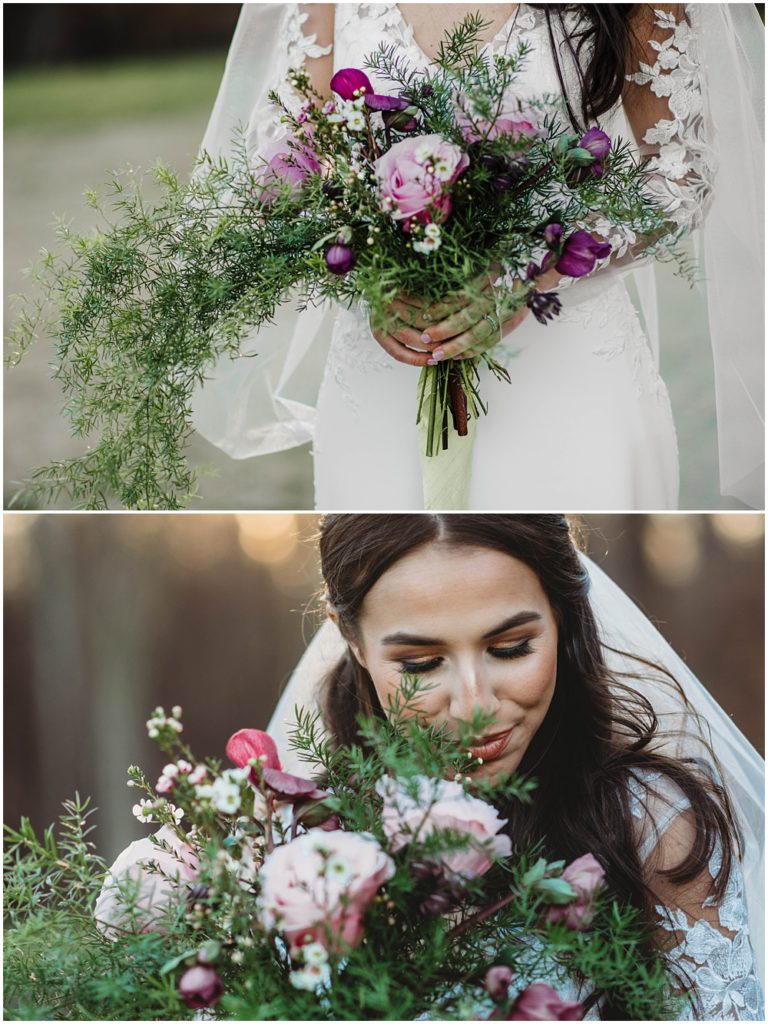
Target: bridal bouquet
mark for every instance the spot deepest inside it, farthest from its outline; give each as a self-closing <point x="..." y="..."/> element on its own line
<point x="447" y="183"/>
<point x="384" y="889"/>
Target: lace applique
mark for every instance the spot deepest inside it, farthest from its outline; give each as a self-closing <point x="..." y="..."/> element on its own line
<point x="680" y="158"/>
<point x="354" y="349"/>
<point x="722" y="967"/>
<point x="294" y="48"/>
<point x="393" y="26"/>
<point x="614" y="308"/>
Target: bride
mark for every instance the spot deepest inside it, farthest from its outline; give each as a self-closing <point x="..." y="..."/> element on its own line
<point x="501" y="612"/>
<point x="586" y="420"/>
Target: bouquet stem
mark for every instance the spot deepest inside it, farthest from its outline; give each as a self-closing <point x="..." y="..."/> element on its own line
<point x="458" y="402"/>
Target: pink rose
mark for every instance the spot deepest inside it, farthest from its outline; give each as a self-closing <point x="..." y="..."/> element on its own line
<point x="317" y="887"/>
<point x="541" y="1002"/>
<point x="444" y="805"/>
<point x="157" y="887"/>
<point x="415" y="177"/>
<point x="289" y="161"/>
<point x="587" y="877"/>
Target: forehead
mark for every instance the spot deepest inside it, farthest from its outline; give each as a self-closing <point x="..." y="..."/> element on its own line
<point x="441" y="581"/>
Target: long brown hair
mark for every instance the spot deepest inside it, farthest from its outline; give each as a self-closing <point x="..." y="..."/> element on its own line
<point x="598" y="729"/>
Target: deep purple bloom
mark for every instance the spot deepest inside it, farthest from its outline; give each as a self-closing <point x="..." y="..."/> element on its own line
<point x="340" y="259"/>
<point x="200" y="987"/>
<point x="347" y="81"/>
<point x="377" y="102"/>
<point x="553" y="234"/>
<point x="598" y="144"/>
<point x="580" y="253"/>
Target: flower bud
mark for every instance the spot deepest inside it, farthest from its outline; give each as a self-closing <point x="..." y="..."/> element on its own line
<point x="497" y="981"/>
<point x="200" y="987"/>
<point x="340" y="259"/>
<point x="436" y="904"/>
<point x="252" y="743"/>
<point x="347" y="81"/>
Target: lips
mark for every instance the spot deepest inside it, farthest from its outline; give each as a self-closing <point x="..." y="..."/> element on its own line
<point x="492" y="745"/>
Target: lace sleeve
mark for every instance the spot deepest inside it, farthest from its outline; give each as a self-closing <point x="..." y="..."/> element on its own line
<point x="706" y="940"/>
<point x="665" y="108"/>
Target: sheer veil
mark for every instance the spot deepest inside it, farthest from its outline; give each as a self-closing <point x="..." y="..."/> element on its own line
<point x="623" y="627"/>
<point x="265" y="401"/>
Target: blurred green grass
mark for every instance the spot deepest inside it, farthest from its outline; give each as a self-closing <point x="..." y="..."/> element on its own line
<point x="81" y="97"/>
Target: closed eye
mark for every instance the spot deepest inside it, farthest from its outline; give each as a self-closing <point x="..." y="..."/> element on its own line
<point x="515" y="651"/>
<point x="417" y="668"/>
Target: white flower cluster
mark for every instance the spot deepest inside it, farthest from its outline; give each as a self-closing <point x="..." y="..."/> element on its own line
<point x="440" y="166"/>
<point x="159" y="721"/>
<point x="225" y="791"/>
<point x="350" y="113"/>
<point x="315" y="971"/>
<point x="145" y="810"/>
<point x="431" y="241"/>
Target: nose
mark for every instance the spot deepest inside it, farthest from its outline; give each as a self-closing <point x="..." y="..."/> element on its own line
<point x="471" y="688"/>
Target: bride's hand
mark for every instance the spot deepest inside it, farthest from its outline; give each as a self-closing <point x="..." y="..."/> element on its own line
<point x="455" y="327"/>
<point x="405" y="340"/>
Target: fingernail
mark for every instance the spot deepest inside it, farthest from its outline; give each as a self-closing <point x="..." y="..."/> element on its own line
<point x="431" y="362"/>
<point x="426" y="338"/>
<point x="438" y="354"/>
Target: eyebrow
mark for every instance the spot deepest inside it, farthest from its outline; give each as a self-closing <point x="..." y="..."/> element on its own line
<point x="520" y="619"/>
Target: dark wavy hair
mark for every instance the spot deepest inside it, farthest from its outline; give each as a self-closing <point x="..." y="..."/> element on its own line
<point x="597" y="730"/>
<point x="601" y="46"/>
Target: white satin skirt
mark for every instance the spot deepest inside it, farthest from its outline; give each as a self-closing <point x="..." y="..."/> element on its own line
<point x="584" y="425"/>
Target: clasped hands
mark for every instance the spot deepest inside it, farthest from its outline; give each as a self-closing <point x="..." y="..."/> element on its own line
<point x="457" y="327"/>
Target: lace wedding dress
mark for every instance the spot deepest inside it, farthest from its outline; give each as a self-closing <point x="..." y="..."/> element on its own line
<point x="586" y="421"/>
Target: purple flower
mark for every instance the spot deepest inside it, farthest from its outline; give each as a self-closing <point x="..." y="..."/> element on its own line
<point x="580" y="253"/>
<point x="200" y="987"/>
<point x="597" y="143"/>
<point x="288" y="162"/>
<point x="340" y="259"/>
<point x="377" y="102"/>
<point x="347" y="81"/>
<point x="544" y="305"/>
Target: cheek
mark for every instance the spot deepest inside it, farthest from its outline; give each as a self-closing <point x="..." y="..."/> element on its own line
<point x="532" y="685"/>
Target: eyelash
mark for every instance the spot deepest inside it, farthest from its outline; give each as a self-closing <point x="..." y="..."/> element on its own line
<point x="504" y="653"/>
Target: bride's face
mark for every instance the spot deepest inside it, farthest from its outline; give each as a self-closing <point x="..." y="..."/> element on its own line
<point x="476" y="625"/>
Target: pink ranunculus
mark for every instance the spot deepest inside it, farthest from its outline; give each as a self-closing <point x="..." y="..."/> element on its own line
<point x="317" y="887"/>
<point x="408" y="188"/>
<point x="157" y="887"/>
<point x="444" y="805"/>
<point x="540" y="1002"/>
<point x="252" y="743"/>
<point x="289" y="161"/>
<point x="587" y="877"/>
